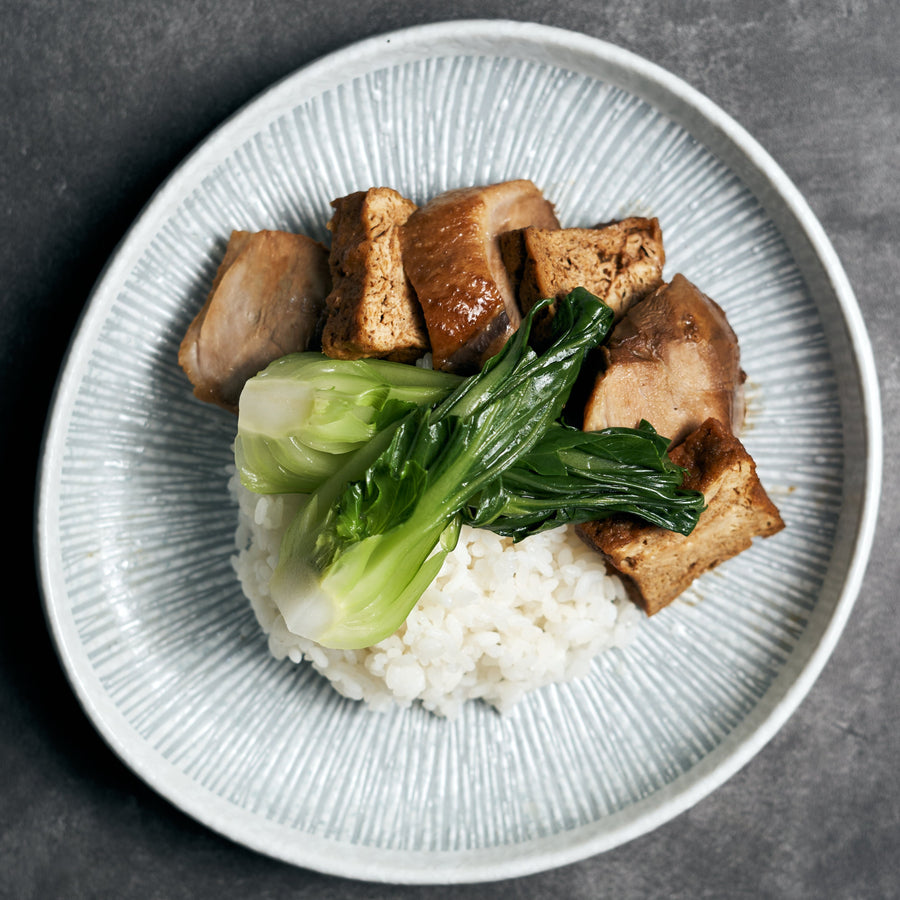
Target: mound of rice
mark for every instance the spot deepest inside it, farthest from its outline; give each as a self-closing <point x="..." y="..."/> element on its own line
<point x="501" y="619"/>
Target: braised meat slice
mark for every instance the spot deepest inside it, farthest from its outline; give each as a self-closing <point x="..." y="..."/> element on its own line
<point x="451" y="254"/>
<point x="372" y="309"/>
<point x="656" y="565"/>
<point x="621" y="262"/>
<point x="266" y="301"/>
<point x="673" y="360"/>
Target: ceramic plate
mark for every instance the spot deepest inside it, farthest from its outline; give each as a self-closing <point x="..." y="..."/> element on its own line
<point x="136" y="528"/>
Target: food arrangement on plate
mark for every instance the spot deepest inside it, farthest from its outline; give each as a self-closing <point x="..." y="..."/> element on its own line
<point x="474" y="446"/>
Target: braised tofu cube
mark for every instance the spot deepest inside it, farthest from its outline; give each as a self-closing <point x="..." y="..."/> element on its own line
<point x="621" y="262"/>
<point x="656" y="565"/>
<point x="372" y="310"/>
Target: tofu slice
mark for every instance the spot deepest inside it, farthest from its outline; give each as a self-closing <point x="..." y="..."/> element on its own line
<point x="372" y="310"/>
<point x="657" y="565"/>
<point x="621" y="262"/>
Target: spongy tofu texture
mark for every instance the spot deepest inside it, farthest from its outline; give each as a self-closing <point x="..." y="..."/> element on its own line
<point x="620" y="262"/>
<point x="656" y="564"/>
<point x="372" y="310"/>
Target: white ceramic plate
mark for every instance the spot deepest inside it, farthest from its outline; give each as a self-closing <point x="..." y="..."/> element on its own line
<point x="135" y="527"/>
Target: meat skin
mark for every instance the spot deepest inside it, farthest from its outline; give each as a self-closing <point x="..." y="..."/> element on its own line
<point x="266" y="301"/>
<point x="451" y="254"/>
<point x="672" y="360"/>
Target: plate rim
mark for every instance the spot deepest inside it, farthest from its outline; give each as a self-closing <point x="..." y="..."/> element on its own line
<point x="445" y="867"/>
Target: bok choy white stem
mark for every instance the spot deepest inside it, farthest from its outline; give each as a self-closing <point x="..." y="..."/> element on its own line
<point x="303" y="413"/>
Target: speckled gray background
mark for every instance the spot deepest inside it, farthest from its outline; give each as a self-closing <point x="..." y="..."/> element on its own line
<point x="101" y="101"/>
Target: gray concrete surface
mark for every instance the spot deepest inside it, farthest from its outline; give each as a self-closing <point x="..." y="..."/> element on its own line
<point x="100" y="100"/>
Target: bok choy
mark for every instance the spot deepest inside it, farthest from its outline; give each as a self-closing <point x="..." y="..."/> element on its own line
<point x="372" y="537"/>
<point x="574" y="476"/>
<point x="304" y="413"/>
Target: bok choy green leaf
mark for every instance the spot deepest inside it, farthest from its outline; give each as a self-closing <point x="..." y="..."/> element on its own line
<point x="574" y="476"/>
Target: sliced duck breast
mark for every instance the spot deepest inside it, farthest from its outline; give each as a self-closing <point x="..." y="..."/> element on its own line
<point x="673" y="360"/>
<point x="451" y="254"/>
<point x="266" y="301"/>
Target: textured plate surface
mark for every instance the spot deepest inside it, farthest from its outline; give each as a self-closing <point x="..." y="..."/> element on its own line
<point x="135" y="526"/>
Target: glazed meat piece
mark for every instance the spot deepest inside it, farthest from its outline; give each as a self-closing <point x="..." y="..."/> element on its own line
<point x="451" y="253"/>
<point x="372" y="309"/>
<point x="620" y="262"/>
<point x="672" y="360"/>
<point x="655" y="564"/>
<point x="266" y="301"/>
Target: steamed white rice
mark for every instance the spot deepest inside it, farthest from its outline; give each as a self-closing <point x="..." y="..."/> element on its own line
<point x="501" y="619"/>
